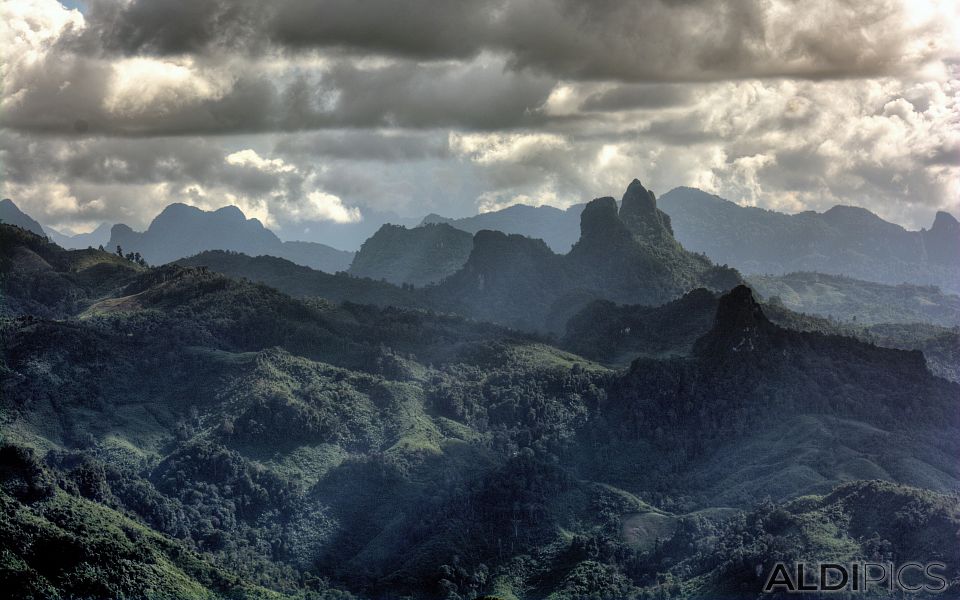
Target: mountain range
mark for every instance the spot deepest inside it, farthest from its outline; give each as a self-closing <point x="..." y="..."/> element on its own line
<point x="180" y="231"/>
<point x="173" y="432"/>
<point x="844" y="240"/>
<point x="624" y="255"/>
<point x="94" y="239"/>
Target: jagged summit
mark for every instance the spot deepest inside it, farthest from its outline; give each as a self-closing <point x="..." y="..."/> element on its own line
<point x="739" y="326"/>
<point x="739" y="309"/>
<point x="599" y="220"/>
<point x="625" y="255"/>
<point x="639" y="212"/>
<point x="945" y="222"/>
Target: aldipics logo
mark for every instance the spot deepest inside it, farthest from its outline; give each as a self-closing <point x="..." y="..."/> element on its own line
<point x="857" y="577"/>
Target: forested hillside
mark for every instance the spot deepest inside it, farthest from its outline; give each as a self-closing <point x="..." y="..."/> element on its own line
<point x="176" y="433"/>
<point x="418" y="256"/>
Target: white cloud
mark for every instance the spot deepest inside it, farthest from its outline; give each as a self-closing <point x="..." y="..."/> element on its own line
<point x="489" y="148"/>
<point x="250" y="158"/>
<point x="327" y="207"/>
<point x="143" y="86"/>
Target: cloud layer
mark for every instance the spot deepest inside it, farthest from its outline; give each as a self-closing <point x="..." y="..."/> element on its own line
<point x="303" y="111"/>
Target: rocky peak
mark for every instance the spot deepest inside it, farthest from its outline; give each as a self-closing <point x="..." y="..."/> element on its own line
<point x="738" y="309"/>
<point x="639" y="212"/>
<point x="599" y="218"/>
<point x="945" y="223"/>
<point x="740" y="326"/>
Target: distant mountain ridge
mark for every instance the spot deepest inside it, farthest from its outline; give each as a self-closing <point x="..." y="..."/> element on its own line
<point x="12" y="215"/>
<point x="844" y="240"/>
<point x="627" y="256"/>
<point x="560" y="229"/>
<point x="864" y="302"/>
<point x="180" y="231"/>
<point x="98" y="237"/>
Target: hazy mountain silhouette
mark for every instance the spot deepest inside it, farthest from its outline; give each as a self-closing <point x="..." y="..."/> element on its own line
<point x="12" y="215"/>
<point x="864" y="302"/>
<point x="180" y="231"/>
<point x="844" y="240"/>
<point x="98" y="237"/>
<point x="346" y="236"/>
<point x="560" y="229"/>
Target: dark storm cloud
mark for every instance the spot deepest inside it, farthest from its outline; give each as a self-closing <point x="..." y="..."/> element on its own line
<point x="58" y="95"/>
<point x="366" y="145"/>
<point x="405" y="104"/>
<point x="476" y="96"/>
<point x="656" y="40"/>
<point x="413" y="28"/>
<point x="169" y="27"/>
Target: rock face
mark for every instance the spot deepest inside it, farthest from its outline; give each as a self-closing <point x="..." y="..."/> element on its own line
<point x="844" y="240"/>
<point x="740" y="327"/>
<point x="639" y="212"/>
<point x="627" y="256"/>
<point x="942" y="241"/>
<point x="419" y="256"/>
<point x="181" y="231"/>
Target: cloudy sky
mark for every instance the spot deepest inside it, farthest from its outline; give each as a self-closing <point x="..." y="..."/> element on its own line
<point x="300" y="111"/>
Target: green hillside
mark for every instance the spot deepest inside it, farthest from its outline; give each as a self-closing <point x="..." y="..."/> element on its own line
<point x="181" y="434"/>
<point x="419" y="256"/>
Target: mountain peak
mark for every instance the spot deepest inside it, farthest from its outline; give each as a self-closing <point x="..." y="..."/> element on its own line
<point x="599" y="218"/>
<point x="739" y="309"/>
<point x="639" y="212"/>
<point x="232" y="212"/>
<point x="739" y="327"/>
<point x="945" y="222"/>
<point x="435" y="218"/>
<point x="638" y="198"/>
<point x="855" y="216"/>
<point x="11" y="214"/>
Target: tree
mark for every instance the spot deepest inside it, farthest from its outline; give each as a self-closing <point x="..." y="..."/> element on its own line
<point x="119" y="251"/>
